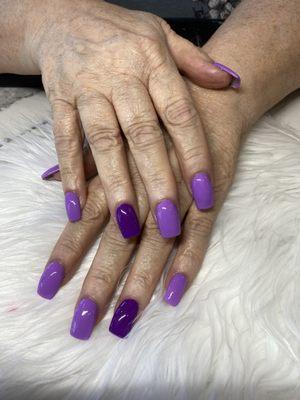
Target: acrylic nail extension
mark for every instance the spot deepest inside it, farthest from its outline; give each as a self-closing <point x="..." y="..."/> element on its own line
<point x="51" y="280"/>
<point x="50" y="172"/>
<point x="175" y="289"/>
<point x="124" y="318"/>
<point x="128" y="221"/>
<point x="72" y="206"/>
<point x="202" y="191"/>
<point x="84" y="319"/>
<point x="236" y="79"/>
<point x="168" y="219"/>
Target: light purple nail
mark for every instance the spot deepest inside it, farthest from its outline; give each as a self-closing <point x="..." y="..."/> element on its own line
<point x="84" y="319"/>
<point x="175" y="289"/>
<point x="236" y="81"/>
<point x="202" y="191"/>
<point x="51" y="280"/>
<point x="168" y="219"/>
<point x="73" y="206"/>
<point x="51" y="171"/>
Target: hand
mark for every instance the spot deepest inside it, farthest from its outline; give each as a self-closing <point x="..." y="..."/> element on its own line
<point x="104" y="69"/>
<point x="223" y="133"/>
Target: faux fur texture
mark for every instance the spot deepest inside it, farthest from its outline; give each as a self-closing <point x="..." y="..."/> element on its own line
<point x="236" y="333"/>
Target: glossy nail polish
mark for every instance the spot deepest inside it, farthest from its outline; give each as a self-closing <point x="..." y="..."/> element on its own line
<point x="168" y="219"/>
<point x="50" y="172"/>
<point x="128" y="221"/>
<point x="124" y="318"/>
<point x="202" y="191"/>
<point x="84" y="319"/>
<point x="51" y="280"/>
<point x="236" y="80"/>
<point x="73" y="206"/>
<point x="175" y="289"/>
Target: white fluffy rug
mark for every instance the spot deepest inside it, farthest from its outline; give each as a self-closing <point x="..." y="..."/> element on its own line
<point x="236" y="334"/>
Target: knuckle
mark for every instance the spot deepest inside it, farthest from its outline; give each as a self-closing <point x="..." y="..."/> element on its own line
<point x="103" y="138"/>
<point x="181" y="112"/>
<point x="143" y="279"/>
<point x="194" y="155"/>
<point x="101" y="277"/>
<point x="114" y="239"/>
<point x="189" y="258"/>
<point x="201" y="227"/>
<point x="94" y="211"/>
<point x="69" y="246"/>
<point x="151" y="235"/>
<point x="144" y="134"/>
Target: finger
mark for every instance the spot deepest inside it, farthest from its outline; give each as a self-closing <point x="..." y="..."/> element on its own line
<point x="197" y="65"/>
<point x="140" y="125"/>
<point x="68" y="143"/>
<point x="74" y="242"/>
<point x="147" y="268"/>
<point x="176" y="108"/>
<point x="103" y="133"/>
<point x="105" y="272"/>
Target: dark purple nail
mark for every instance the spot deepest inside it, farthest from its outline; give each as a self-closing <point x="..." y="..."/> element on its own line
<point x="236" y="81"/>
<point x="84" y="319"/>
<point x="202" y="191"/>
<point x="50" y="172"/>
<point x="128" y="221"/>
<point x="175" y="289"/>
<point x="51" y="280"/>
<point x="124" y="318"/>
<point x="168" y="219"/>
<point x="72" y="206"/>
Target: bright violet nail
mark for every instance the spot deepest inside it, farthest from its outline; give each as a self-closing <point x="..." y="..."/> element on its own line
<point x="202" y="191"/>
<point x="124" y="318"/>
<point x="84" y="319"/>
<point x="51" y="280"/>
<point x="73" y="206"/>
<point x="175" y="289"/>
<point x="168" y="219"/>
<point x="128" y="221"/>
<point x="236" y="81"/>
<point x="50" y="172"/>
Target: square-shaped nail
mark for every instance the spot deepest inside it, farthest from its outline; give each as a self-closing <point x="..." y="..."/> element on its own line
<point x="51" y="280"/>
<point x="84" y="319"/>
<point x="175" y="289"/>
<point x="124" y="318"/>
<point x="168" y="219"/>
<point x="202" y="191"/>
<point x="73" y="206"/>
<point x="128" y="221"/>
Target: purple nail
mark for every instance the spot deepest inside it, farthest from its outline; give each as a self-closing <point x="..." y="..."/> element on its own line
<point x="128" y="221"/>
<point x="236" y="81"/>
<point x="168" y="219"/>
<point x="84" y="319"/>
<point x="202" y="191"/>
<point x="124" y="318"/>
<point x="72" y="206"/>
<point x="175" y="289"/>
<point x="51" y="280"/>
<point x="51" y="171"/>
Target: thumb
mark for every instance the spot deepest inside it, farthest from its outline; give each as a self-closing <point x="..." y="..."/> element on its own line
<point x="197" y="65"/>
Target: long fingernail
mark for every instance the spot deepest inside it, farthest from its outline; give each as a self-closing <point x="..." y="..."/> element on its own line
<point x="50" y="172"/>
<point x="202" y="191"/>
<point x="124" y="318"/>
<point x="175" y="289"/>
<point x="128" y="221"/>
<point x="84" y="319"/>
<point x="73" y="206"/>
<point x="168" y="219"/>
<point x="236" y="79"/>
<point x="51" y="280"/>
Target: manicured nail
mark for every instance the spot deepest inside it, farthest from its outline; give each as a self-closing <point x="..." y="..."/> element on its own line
<point x="124" y="318"/>
<point x="84" y="319"/>
<point x="168" y="219"/>
<point x="50" y="172"/>
<point x="202" y="191"/>
<point x="51" y="280"/>
<point x="128" y="221"/>
<point x="175" y="290"/>
<point x="72" y="206"/>
<point x="236" y="79"/>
